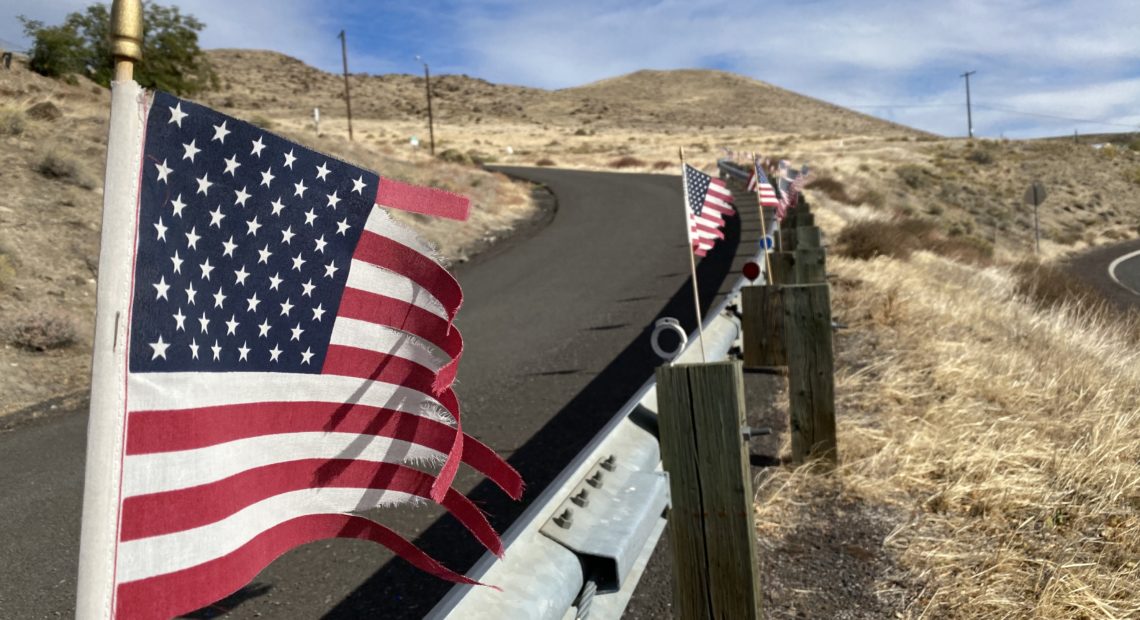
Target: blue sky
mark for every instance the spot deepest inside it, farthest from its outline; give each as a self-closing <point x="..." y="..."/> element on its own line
<point x="1035" y="59"/>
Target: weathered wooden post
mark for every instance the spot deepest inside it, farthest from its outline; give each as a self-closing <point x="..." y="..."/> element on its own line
<point x="811" y="372"/>
<point x="701" y="414"/>
<point x="762" y="327"/>
<point x="809" y="256"/>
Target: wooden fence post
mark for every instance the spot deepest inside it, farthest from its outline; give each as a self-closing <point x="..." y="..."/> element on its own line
<point x="762" y="326"/>
<point x="809" y="257"/>
<point x="811" y="372"/>
<point x="701" y="412"/>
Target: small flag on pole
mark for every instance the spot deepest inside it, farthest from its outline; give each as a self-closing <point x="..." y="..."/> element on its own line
<point x="273" y="354"/>
<point x="708" y="201"/>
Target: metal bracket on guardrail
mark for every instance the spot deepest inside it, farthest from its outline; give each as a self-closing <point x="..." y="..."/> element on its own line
<point x="608" y="518"/>
<point x="663" y="325"/>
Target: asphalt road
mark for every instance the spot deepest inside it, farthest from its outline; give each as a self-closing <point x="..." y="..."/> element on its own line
<point x="1093" y="267"/>
<point x="556" y="321"/>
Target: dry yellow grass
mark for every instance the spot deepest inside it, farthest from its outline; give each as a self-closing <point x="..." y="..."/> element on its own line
<point x="1010" y="437"/>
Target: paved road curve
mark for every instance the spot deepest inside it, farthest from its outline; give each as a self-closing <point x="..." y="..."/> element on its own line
<point x="1093" y="266"/>
<point x="556" y="326"/>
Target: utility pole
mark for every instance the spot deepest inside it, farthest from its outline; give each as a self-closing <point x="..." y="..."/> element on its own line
<point x="347" y="96"/>
<point x="427" y="85"/>
<point x="969" y="117"/>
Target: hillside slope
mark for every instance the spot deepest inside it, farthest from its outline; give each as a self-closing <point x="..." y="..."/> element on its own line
<point x="682" y="98"/>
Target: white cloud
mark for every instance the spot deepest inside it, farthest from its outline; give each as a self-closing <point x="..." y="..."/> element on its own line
<point x="899" y="52"/>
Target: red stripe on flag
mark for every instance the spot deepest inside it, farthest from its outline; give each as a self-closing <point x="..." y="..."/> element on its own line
<point x="157" y="514"/>
<point x="709" y="229"/>
<point x="365" y="306"/>
<point x="399" y="258"/>
<point x="426" y="200"/>
<point x="150" y="432"/>
<point x="184" y="591"/>
<point x="376" y="366"/>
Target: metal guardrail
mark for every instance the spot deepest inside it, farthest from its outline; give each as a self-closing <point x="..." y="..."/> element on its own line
<point x="581" y="547"/>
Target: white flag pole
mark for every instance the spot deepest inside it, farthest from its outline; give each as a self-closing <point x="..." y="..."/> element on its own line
<point x="105" y="427"/>
<point x="692" y="258"/>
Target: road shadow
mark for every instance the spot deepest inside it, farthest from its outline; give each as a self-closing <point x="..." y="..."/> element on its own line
<point x="401" y="591"/>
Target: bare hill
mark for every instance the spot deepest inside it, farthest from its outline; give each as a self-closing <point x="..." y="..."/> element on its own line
<point x="688" y="98"/>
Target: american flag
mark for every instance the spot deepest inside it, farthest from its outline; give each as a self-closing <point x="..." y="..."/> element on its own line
<point x="291" y="351"/>
<point x="707" y="202"/>
<point x="791" y="182"/>
<point x="759" y="184"/>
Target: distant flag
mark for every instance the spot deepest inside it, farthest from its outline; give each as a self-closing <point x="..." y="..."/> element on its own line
<point x="707" y="201"/>
<point x="273" y="353"/>
<point x="791" y="183"/>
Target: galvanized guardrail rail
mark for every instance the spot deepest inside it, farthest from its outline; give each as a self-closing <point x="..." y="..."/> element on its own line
<point x="581" y="547"/>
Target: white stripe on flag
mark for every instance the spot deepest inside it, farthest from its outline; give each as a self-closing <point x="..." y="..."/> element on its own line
<point x="158" y="555"/>
<point x="383" y="339"/>
<point x="169" y="471"/>
<point x="367" y="277"/>
<point x="380" y="222"/>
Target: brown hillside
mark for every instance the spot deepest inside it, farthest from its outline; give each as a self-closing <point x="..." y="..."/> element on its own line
<point x="681" y="98"/>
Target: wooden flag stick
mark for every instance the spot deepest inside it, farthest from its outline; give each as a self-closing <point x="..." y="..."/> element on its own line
<point x="692" y="258"/>
<point x="126" y="37"/>
<point x="763" y="226"/>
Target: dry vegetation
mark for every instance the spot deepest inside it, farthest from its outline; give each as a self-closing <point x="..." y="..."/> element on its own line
<point x="991" y="414"/>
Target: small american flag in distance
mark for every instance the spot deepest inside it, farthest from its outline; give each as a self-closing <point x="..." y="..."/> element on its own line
<point x="708" y="202"/>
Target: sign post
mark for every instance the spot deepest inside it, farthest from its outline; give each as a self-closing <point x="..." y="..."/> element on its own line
<point x="1035" y="195"/>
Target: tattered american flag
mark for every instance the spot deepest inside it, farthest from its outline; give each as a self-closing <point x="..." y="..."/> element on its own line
<point x="791" y="182"/>
<point x="291" y="350"/>
<point x="707" y="202"/>
<point x="763" y="189"/>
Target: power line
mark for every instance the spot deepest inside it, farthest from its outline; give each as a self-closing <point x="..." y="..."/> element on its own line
<point x="1055" y="117"/>
<point x="994" y="108"/>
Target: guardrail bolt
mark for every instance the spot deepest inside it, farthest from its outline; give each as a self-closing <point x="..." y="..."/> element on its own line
<point x="609" y="463"/>
<point x="595" y="480"/>
<point x="582" y="498"/>
<point x="565" y="520"/>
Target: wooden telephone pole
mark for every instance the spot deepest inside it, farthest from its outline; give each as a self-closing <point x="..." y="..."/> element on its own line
<point x="347" y="96"/>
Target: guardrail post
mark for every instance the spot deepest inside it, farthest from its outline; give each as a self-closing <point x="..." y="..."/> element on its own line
<point x="701" y="413"/>
<point x="762" y="326"/>
<point x="811" y="372"/>
<point x="809" y="256"/>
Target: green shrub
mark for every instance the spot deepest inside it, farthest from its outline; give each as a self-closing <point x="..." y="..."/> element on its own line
<point x="82" y="44"/>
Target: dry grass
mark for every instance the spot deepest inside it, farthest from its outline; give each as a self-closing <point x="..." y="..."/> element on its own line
<point x="59" y="165"/>
<point x="1009" y="433"/>
<point x="13" y="121"/>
